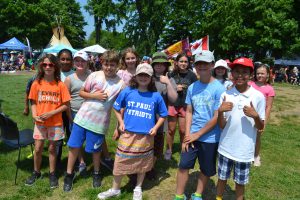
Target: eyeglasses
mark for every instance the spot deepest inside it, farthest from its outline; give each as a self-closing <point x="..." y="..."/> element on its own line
<point x="47" y="64"/>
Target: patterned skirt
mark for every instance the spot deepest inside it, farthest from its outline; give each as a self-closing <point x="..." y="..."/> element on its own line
<point x="134" y="154"/>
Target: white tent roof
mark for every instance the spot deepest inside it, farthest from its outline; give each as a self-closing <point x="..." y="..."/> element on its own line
<point x="94" y="49"/>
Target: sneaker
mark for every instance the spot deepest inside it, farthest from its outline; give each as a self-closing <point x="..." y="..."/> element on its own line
<point x="34" y="176"/>
<point x="257" y="162"/>
<point x="68" y="182"/>
<point x="109" y="193"/>
<point x="82" y="169"/>
<point x="97" y="179"/>
<point x="178" y="198"/>
<point x="168" y="154"/>
<point x="108" y="163"/>
<point x="151" y="175"/>
<point x="53" y="180"/>
<point x="137" y="194"/>
<point x="194" y="197"/>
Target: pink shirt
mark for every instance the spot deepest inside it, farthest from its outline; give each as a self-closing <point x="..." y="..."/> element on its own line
<point x="267" y="90"/>
<point x="125" y="76"/>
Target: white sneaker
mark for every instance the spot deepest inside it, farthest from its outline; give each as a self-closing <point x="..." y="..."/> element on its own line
<point x="168" y="154"/>
<point x="109" y="193"/>
<point x="257" y="162"/>
<point x="137" y="194"/>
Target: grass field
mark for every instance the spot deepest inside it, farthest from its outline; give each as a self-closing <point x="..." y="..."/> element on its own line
<point x="277" y="178"/>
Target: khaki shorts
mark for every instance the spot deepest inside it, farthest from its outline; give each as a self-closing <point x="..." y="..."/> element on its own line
<point x="53" y="133"/>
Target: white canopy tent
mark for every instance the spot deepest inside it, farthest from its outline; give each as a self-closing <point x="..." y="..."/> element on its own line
<point x="94" y="49"/>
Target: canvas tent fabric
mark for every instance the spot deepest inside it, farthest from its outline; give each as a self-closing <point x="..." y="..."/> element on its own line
<point x="94" y="49"/>
<point x="292" y="62"/>
<point x="58" y="37"/>
<point x="58" y="47"/>
<point x="13" y="44"/>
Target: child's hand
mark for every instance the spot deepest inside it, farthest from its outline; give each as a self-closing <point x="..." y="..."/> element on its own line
<point x="38" y="119"/>
<point x="250" y="111"/>
<point x="101" y="95"/>
<point x="225" y="106"/>
<point x="185" y="146"/>
<point x="122" y="128"/>
<point x="116" y="134"/>
<point x="179" y="87"/>
<point x="164" y="79"/>
<point x="152" y="131"/>
<point x="46" y="115"/>
<point x="191" y="138"/>
<point x="26" y="111"/>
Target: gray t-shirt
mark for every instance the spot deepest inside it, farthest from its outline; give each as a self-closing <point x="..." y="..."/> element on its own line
<point x="75" y="86"/>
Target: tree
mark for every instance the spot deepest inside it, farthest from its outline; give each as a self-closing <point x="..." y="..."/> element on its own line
<point x="35" y="18"/>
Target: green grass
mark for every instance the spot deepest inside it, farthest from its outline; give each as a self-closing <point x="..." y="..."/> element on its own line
<point x="277" y="178"/>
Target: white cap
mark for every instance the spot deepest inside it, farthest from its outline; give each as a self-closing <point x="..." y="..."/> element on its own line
<point x="221" y="63"/>
<point x="81" y="54"/>
<point x="205" y="56"/>
<point x="144" y="68"/>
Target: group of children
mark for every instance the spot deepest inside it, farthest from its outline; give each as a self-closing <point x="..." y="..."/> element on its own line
<point x="215" y="117"/>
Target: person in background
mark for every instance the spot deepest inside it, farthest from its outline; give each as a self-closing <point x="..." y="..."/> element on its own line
<point x="220" y="72"/>
<point x="183" y="77"/>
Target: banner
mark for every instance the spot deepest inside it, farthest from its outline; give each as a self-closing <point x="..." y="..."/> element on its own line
<point x="199" y="45"/>
<point x="178" y="47"/>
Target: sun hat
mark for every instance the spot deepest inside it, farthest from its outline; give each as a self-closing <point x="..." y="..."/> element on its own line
<point x="160" y="57"/>
<point x="221" y="63"/>
<point x="144" y="68"/>
<point x="205" y="56"/>
<point x="81" y="54"/>
<point x="246" y="62"/>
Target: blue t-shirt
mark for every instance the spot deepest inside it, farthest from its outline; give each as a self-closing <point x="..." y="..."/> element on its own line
<point x="141" y="109"/>
<point x="205" y="100"/>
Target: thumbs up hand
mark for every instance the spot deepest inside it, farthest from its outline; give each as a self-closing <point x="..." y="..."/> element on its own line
<point x="250" y="111"/>
<point x="225" y="106"/>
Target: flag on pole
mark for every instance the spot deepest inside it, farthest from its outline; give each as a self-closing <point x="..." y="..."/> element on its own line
<point x="199" y="45"/>
<point x="177" y="48"/>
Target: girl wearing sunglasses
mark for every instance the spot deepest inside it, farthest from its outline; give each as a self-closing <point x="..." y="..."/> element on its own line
<point x="49" y="98"/>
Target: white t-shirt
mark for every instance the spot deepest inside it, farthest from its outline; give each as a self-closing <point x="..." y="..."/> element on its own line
<point x="237" y="141"/>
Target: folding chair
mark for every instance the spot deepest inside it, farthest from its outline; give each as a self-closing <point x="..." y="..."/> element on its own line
<point x="12" y="137"/>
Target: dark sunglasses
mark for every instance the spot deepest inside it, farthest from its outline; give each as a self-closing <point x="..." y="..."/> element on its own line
<point x="47" y="64"/>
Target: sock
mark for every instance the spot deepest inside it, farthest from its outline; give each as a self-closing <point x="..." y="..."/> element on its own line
<point x="96" y="172"/>
<point x="197" y="194"/>
<point x="138" y="188"/>
<point x="115" y="190"/>
<point x="219" y="198"/>
<point x="180" y="196"/>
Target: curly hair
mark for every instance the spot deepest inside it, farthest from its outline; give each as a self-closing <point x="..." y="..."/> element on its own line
<point x="151" y="87"/>
<point x="54" y="61"/>
<point x="123" y="65"/>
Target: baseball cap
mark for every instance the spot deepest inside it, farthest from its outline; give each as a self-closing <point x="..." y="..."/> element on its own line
<point x="246" y="62"/>
<point x="144" y="68"/>
<point x="81" y="54"/>
<point x="221" y="63"/>
<point x="205" y="56"/>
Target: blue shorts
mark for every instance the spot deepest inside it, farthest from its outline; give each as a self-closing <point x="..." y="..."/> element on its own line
<point x="241" y="170"/>
<point x="79" y="135"/>
<point x="206" y="154"/>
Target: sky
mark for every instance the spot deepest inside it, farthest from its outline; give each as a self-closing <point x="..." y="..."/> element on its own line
<point x="89" y="28"/>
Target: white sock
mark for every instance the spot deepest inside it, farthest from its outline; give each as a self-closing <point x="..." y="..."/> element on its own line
<point x="115" y="190"/>
<point x="138" y="188"/>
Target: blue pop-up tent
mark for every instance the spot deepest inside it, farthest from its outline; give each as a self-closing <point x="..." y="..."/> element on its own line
<point x="288" y="62"/>
<point x="13" y="44"/>
<point x="57" y="48"/>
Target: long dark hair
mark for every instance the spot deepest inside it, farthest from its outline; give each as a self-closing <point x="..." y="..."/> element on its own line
<point x="54" y="61"/>
<point x="151" y="87"/>
<point x="176" y="68"/>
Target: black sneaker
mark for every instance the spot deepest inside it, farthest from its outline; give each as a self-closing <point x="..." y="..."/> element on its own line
<point x="34" y="176"/>
<point x="68" y="182"/>
<point x="53" y="180"/>
<point x="97" y="179"/>
<point x="108" y="163"/>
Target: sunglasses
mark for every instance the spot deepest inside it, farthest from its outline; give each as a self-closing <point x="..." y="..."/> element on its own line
<point x="47" y="64"/>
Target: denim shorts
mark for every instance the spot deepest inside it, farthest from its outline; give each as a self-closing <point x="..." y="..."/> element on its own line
<point x="240" y="172"/>
<point x="93" y="140"/>
<point x="206" y="154"/>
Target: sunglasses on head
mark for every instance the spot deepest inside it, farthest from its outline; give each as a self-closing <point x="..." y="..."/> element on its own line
<point x="47" y="64"/>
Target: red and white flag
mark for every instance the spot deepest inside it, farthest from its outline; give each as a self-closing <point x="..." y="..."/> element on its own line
<point x="199" y="45"/>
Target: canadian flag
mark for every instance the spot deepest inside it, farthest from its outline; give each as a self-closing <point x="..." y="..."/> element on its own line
<point x="199" y="45"/>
